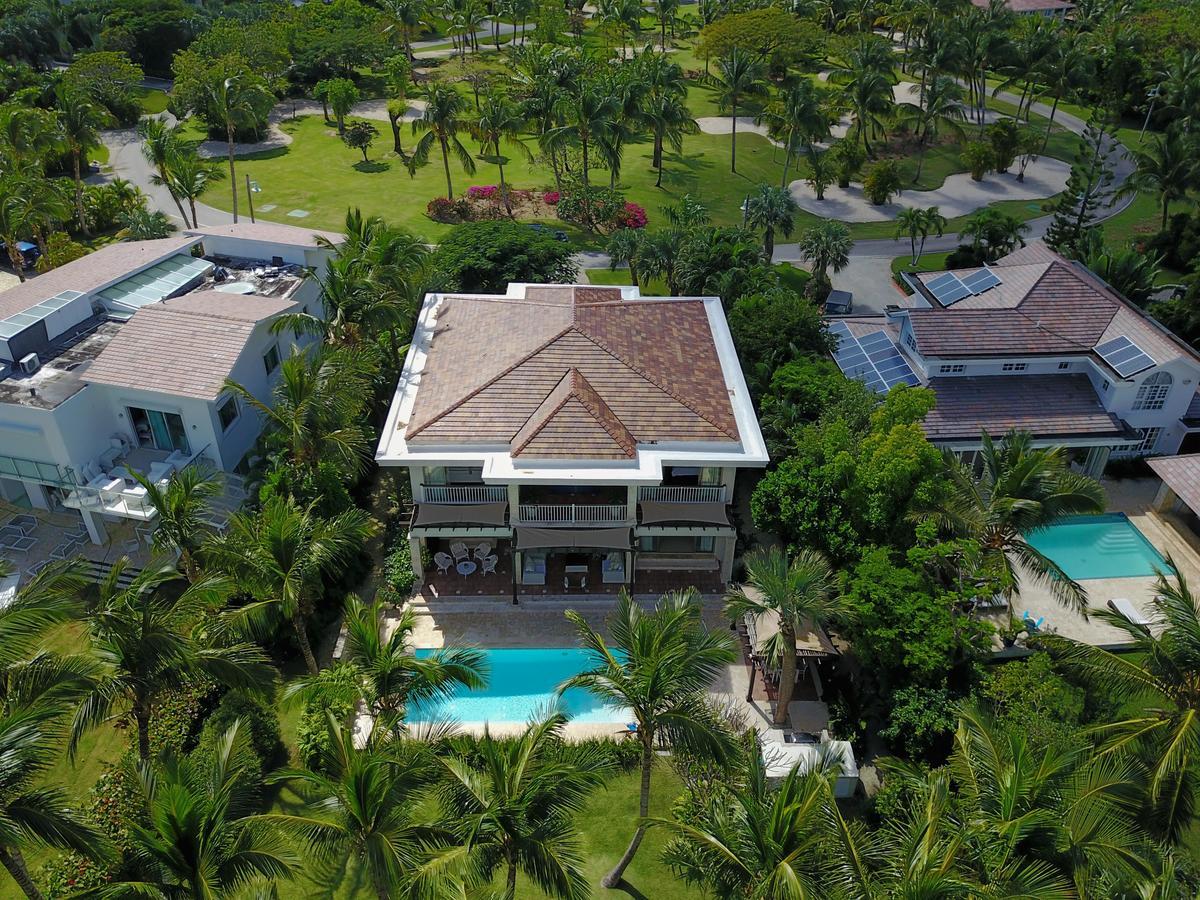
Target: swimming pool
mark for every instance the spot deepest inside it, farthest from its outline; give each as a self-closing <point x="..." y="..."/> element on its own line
<point x="521" y="685"/>
<point x="1107" y="546"/>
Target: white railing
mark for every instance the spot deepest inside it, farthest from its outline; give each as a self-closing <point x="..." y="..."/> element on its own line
<point x="573" y="514"/>
<point x="465" y="493"/>
<point x="664" y="493"/>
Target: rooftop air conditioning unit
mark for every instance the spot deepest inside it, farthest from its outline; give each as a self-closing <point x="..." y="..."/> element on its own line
<point x="30" y="363"/>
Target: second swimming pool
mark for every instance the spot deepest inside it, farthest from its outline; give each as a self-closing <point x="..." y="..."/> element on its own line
<point x="1107" y="546"/>
<point x="521" y="685"/>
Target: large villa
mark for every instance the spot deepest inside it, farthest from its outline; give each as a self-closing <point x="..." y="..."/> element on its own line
<point x="565" y="440"/>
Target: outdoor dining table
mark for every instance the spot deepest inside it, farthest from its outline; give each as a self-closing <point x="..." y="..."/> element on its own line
<point x="466" y="567"/>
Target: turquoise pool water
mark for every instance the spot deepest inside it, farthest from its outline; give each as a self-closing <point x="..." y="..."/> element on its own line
<point x="521" y="685"/>
<point x="1107" y="546"/>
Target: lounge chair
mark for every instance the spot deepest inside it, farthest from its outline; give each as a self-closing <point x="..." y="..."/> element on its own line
<point x="1031" y="623"/>
<point x="1123" y="607"/>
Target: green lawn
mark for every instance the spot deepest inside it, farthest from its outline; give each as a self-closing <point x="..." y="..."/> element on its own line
<point x="929" y="262"/>
<point x="152" y="100"/>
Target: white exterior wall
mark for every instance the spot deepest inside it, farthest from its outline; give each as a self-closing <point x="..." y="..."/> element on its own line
<point x="71" y="434"/>
<point x="241" y="248"/>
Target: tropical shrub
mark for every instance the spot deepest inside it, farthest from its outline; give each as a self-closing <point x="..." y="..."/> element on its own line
<point x="179" y="715"/>
<point x="482" y="191"/>
<point x="978" y="157"/>
<point x="397" y="565"/>
<point x="449" y="212"/>
<point x="882" y="181"/>
<point x="921" y="723"/>
<point x="632" y="216"/>
<point x="259" y="723"/>
<point x="594" y="208"/>
<point x="486" y="256"/>
<point x="337" y="696"/>
<point x="551" y="198"/>
<point x="1029" y="695"/>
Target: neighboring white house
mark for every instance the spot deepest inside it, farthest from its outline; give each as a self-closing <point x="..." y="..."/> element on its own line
<point x="582" y="438"/>
<point x="1052" y="9"/>
<point x="1034" y="342"/>
<point x="117" y="361"/>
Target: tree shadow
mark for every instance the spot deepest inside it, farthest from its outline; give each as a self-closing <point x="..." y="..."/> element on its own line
<point x="372" y="166"/>
<point x="629" y="890"/>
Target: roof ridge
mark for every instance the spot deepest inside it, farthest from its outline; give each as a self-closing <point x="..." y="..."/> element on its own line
<point x="411" y="432"/>
<point x="585" y="392"/>
<point x="1037" y="323"/>
<point x="657" y="382"/>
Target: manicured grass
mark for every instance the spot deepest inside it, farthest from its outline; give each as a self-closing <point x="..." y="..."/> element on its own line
<point x="929" y="262"/>
<point x="152" y="100"/>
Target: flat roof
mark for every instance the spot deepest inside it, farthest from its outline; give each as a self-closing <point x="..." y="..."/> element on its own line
<point x="269" y="232"/>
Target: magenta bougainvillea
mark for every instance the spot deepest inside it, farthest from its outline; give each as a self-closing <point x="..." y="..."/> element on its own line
<point x="632" y="216"/>
<point x="550" y="198"/>
<point x="482" y="191"/>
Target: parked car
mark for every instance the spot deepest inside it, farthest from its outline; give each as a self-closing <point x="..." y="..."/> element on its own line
<point x="839" y="303"/>
<point x="559" y="235"/>
<point x="29" y="253"/>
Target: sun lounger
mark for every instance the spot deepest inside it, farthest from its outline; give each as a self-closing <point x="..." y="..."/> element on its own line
<point x="1123" y="607"/>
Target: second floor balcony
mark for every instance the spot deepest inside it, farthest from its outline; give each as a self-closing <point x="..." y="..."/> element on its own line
<point x="465" y="493"/>
<point x="571" y="514"/>
<point x="678" y="493"/>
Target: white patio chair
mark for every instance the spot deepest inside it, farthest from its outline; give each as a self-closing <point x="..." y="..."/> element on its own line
<point x="459" y="551"/>
<point x="489" y="564"/>
<point x="483" y="550"/>
<point x="443" y="562"/>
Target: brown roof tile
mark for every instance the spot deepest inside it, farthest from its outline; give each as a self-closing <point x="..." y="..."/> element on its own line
<point x="574" y="421"/>
<point x="1182" y="475"/>
<point x="1048" y="406"/>
<point x="650" y="367"/>
<point x="270" y="232"/>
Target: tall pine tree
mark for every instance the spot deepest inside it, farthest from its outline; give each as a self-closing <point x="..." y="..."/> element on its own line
<point x="1088" y="188"/>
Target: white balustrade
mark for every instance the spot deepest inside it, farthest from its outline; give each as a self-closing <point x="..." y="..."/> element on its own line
<point x="465" y="493"/>
<point x="671" y="493"/>
<point x="573" y="514"/>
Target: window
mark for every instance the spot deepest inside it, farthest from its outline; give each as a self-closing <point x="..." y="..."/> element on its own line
<point x="1063" y="366"/>
<point x="227" y="412"/>
<point x="1014" y="367"/>
<point x="951" y="369"/>
<point x="464" y="475"/>
<point x="910" y="342"/>
<point x="1143" y="446"/>
<point x="1153" y="391"/>
<point x="271" y="359"/>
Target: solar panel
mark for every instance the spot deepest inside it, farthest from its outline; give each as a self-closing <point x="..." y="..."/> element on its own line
<point x="983" y="280"/>
<point x="872" y="359"/>
<point x="1125" y="357"/>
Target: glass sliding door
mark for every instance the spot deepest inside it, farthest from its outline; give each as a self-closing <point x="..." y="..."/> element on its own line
<point x="160" y="430"/>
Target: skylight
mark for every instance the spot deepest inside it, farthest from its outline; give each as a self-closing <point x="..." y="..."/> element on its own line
<point x="18" y="322"/>
<point x="157" y="282"/>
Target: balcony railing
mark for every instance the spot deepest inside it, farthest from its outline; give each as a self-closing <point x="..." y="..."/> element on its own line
<point x="34" y="470"/>
<point x="465" y="493"/>
<point x="573" y="514"/>
<point x="669" y="493"/>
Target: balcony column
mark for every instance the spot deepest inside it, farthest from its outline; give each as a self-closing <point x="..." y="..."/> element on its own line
<point x="514" y="504"/>
<point x="37" y="495"/>
<point x="95" y="527"/>
<point x="414" y="549"/>
<point x="723" y="549"/>
<point x="631" y="502"/>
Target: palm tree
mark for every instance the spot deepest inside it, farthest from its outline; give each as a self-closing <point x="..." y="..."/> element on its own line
<point x="658" y="667"/>
<point x="826" y="246"/>
<point x="588" y="114"/>
<point x="624" y="246"/>
<point x="738" y="78"/>
<point x="917" y="225"/>
<point x="670" y="119"/>
<point x="440" y="120"/>
<point x="802" y="594"/>
<point x="182" y="507"/>
<point x="314" y="411"/>
<point x="405" y="15"/>
<point x="34" y="203"/>
<point x="771" y="208"/>
<point x="822" y="171"/>
<point x="393" y="678"/>
<point x="1165" y="166"/>
<point x="189" y="175"/>
<point x="365" y="802"/>
<point x="755" y="840"/>
<point x="32" y="813"/>
<point x="499" y="119"/>
<point x="149" y="637"/>
<point x="940" y="108"/>
<point x="240" y="101"/>
<point x="1066" y="65"/>
<point x="801" y="114"/>
<point x="1155" y="685"/>
<point x="200" y="837"/>
<point x="279" y="554"/>
<point x="665" y="11"/>
<point x="161" y="146"/>
<point x="16" y="217"/>
<point x="512" y="805"/>
<point x="870" y="100"/>
<point x="79" y="121"/>
<point x="1019" y="489"/>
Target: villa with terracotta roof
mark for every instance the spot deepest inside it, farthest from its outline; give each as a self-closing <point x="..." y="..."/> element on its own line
<point x="565" y="439"/>
<point x="1034" y="342"/>
<point x="117" y="362"/>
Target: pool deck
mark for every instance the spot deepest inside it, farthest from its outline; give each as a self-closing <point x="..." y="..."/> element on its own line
<point x="1134" y="497"/>
<point x="543" y="624"/>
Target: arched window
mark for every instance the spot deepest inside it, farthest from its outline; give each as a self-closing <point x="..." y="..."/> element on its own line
<point x="1152" y="394"/>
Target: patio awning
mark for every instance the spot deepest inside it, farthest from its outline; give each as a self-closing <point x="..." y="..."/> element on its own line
<point x="454" y="513"/>
<point x="1182" y="475"/>
<point x="653" y="511"/>
<point x="607" y="538"/>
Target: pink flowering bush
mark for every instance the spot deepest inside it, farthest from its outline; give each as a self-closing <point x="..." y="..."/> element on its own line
<point x="631" y="216"/>
<point x="550" y="198"/>
<point x="482" y="192"/>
